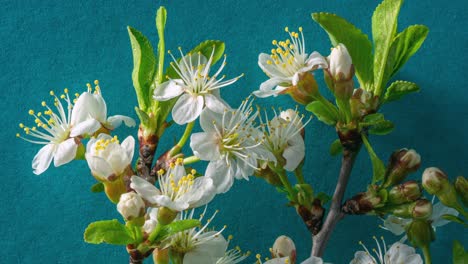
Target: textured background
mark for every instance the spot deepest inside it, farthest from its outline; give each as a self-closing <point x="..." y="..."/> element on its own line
<point x="55" y="44"/>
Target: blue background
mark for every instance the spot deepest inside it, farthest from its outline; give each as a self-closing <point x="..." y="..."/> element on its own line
<point x="56" y="44"/>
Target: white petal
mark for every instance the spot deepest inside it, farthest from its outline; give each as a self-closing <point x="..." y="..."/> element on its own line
<point x="215" y="103"/>
<point x="202" y="192"/>
<point x="222" y="175"/>
<point x="88" y="126"/>
<point x="80" y="109"/>
<point x="187" y="108"/>
<point x="438" y="211"/>
<point x="362" y="257"/>
<point x="116" y="120"/>
<point x="210" y="119"/>
<point x="66" y="152"/>
<point x="294" y="153"/>
<point x="313" y="260"/>
<point x="398" y="253"/>
<point x="396" y="225"/>
<point x="270" y="69"/>
<point x="205" y="145"/>
<point x="215" y="247"/>
<point x="99" y="166"/>
<point x="100" y="110"/>
<point x="165" y="201"/>
<point x="168" y="90"/>
<point x="129" y="146"/>
<point x="269" y="87"/>
<point x="317" y="61"/>
<point x="145" y="189"/>
<point x="43" y="159"/>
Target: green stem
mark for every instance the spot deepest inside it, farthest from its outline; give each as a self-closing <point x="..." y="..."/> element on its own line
<point x="345" y="108"/>
<point x="155" y="232"/>
<point x="299" y="174"/>
<point x="327" y="103"/>
<point x="191" y="160"/>
<point x="188" y="131"/>
<point x="287" y="185"/>
<point x="427" y="255"/>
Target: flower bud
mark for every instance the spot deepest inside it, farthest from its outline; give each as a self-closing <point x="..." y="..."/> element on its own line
<point x="363" y="203"/>
<point x="402" y="162"/>
<point x="131" y="206"/>
<point x="161" y="256"/>
<point x="363" y="103"/>
<point x="340" y="64"/>
<point x="403" y="193"/>
<point x="422" y="209"/>
<point x="420" y="233"/>
<point x="268" y="175"/>
<point x="305" y="89"/>
<point x="284" y="247"/>
<point x="461" y="186"/>
<point x="434" y="180"/>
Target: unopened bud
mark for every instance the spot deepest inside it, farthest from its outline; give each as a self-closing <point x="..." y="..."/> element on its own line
<point x="114" y="189"/>
<point x="420" y="233"/>
<point x="461" y="186"/>
<point x="434" y="180"/>
<point x="340" y="63"/>
<point x="131" y="206"/>
<point x="161" y="256"/>
<point x="422" y="209"/>
<point x="402" y="162"/>
<point x="363" y="203"/>
<point x="284" y="247"/>
<point x="305" y="89"/>
<point x="404" y="193"/>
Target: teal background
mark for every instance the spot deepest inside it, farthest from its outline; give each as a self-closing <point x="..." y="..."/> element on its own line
<point x="56" y="44"/>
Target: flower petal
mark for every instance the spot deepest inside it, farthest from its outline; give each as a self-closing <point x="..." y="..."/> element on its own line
<point x="313" y="260"/>
<point x="43" y="159"/>
<point x="168" y="90"/>
<point x="129" y="145"/>
<point x="88" y="126"/>
<point x="99" y="167"/>
<point x="269" y="87"/>
<point x="66" y="152"/>
<point x="222" y="175"/>
<point x="210" y="119"/>
<point x="116" y="120"/>
<point x="205" y="145"/>
<point x="316" y="61"/>
<point x="215" y="103"/>
<point x="438" y="211"/>
<point x="294" y="153"/>
<point x="145" y="189"/>
<point x="187" y="108"/>
<point x="270" y="69"/>
<point x="201" y="193"/>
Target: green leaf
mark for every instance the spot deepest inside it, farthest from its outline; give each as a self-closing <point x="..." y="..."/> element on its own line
<point x="322" y="112"/>
<point x="144" y="66"/>
<point x="161" y="16"/>
<point x="384" y="28"/>
<point x="97" y="188"/>
<point x="382" y="128"/>
<point x="336" y="148"/>
<point x="108" y="231"/>
<point x="378" y="167"/>
<point x="398" y="89"/>
<point x="460" y="256"/>
<point x="455" y="219"/>
<point x="373" y="118"/>
<point x="405" y="45"/>
<point x="175" y="227"/>
<point x="359" y="47"/>
<point x="323" y="197"/>
<point x="144" y="118"/>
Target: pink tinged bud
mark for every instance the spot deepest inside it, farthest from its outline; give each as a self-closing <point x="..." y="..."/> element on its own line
<point x="340" y="63"/>
<point x="422" y="209"/>
<point x="433" y="180"/>
<point x="404" y="193"/>
<point x="402" y="163"/>
<point x="284" y="247"/>
<point x="131" y="206"/>
<point x="461" y="186"/>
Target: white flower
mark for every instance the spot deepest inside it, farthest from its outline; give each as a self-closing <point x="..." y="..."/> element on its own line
<point x="284" y="137"/>
<point x="287" y="61"/>
<point x="52" y="130"/>
<point x="196" y="87"/>
<point x="198" y="244"/>
<point x="90" y="114"/>
<point x="177" y="190"/>
<point x="286" y="260"/>
<point x="284" y="247"/>
<point x="397" y="254"/>
<point x="233" y="256"/>
<point x="131" y="205"/>
<point x="107" y="158"/>
<point x="231" y="143"/>
<point x="340" y="63"/>
<point x="397" y="225"/>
